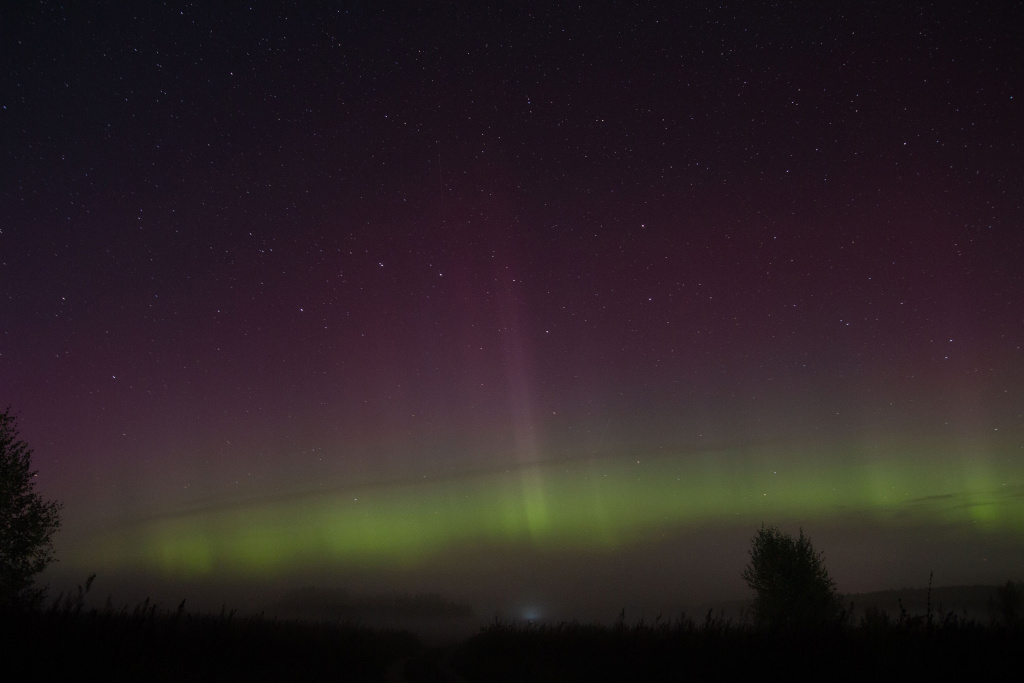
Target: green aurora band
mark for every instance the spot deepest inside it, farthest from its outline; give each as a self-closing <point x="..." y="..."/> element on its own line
<point x="580" y="504"/>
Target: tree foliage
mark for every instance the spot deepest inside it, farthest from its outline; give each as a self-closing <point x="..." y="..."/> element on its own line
<point x="27" y="522"/>
<point x="1009" y="606"/>
<point x="792" y="588"/>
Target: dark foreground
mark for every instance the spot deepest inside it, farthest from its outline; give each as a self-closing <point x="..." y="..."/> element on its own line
<point x="67" y="642"/>
<point x="879" y="649"/>
<point x="146" y="643"/>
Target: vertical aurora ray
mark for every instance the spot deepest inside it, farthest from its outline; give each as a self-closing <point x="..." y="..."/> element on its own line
<point x="524" y="429"/>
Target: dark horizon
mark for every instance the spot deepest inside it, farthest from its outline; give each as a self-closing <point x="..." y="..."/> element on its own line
<point x="539" y="308"/>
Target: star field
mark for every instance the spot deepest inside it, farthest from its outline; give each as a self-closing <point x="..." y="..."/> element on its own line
<point x="317" y="288"/>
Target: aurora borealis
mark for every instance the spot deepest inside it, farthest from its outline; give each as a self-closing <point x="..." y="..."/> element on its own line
<point x="589" y="504"/>
<point x="517" y="302"/>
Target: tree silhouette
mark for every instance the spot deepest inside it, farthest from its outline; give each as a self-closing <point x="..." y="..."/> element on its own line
<point x="27" y="523"/>
<point x="792" y="588"/>
<point x="1009" y="604"/>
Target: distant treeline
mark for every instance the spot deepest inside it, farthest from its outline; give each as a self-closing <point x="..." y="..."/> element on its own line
<point x="339" y="604"/>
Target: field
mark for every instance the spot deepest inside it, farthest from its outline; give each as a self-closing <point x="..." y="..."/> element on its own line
<point x="67" y="639"/>
<point x="878" y="648"/>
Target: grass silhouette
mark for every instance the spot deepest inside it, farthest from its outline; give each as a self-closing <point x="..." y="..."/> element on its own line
<point x="147" y="642"/>
<point x="154" y="644"/>
<point x="933" y="646"/>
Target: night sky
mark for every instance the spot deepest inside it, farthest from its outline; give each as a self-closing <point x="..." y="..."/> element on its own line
<point x="544" y="308"/>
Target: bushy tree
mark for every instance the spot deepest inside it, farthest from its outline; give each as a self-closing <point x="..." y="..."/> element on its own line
<point x="27" y="522"/>
<point x="792" y="588"/>
<point x="1008" y="609"/>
